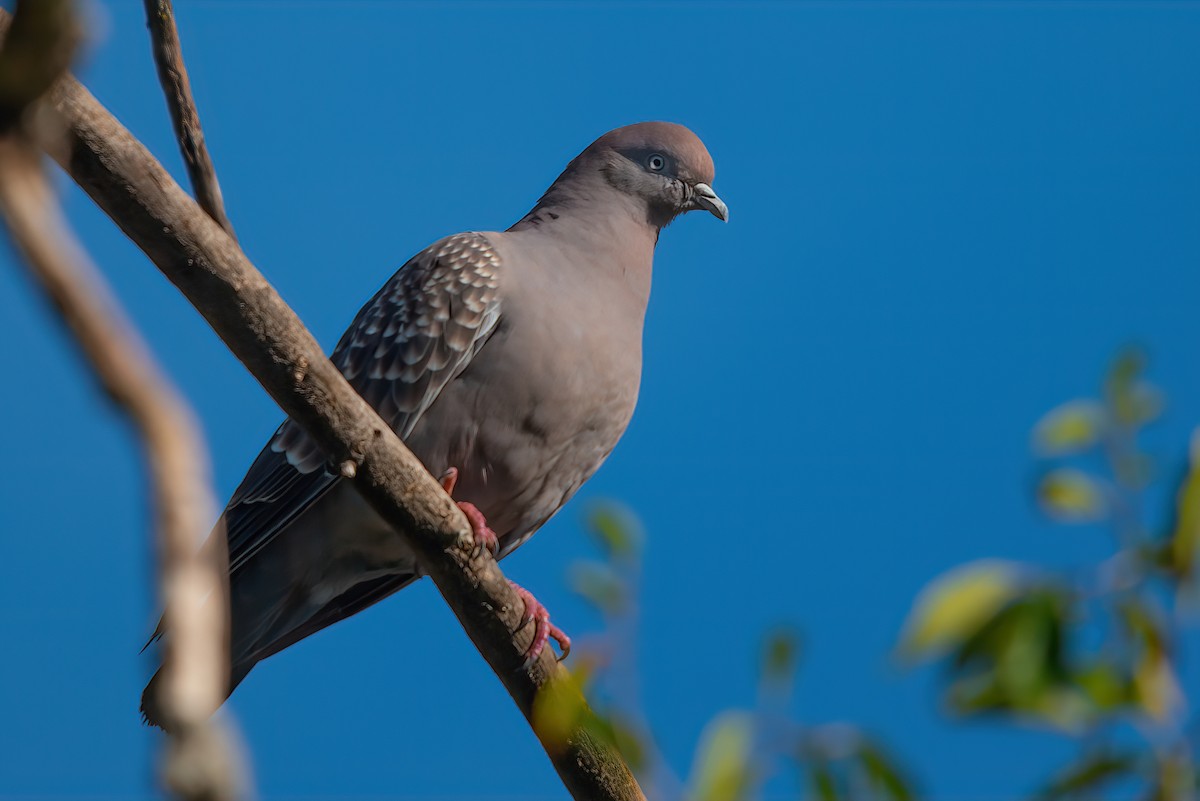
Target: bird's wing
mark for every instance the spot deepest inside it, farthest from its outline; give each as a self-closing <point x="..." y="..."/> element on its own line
<point x="351" y="602"/>
<point x="418" y="332"/>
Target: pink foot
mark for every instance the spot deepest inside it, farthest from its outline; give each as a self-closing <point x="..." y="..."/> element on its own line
<point x="484" y="536"/>
<point x="543" y="629"/>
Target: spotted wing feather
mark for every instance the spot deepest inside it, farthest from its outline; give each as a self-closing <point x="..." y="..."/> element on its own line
<point x="418" y="332"/>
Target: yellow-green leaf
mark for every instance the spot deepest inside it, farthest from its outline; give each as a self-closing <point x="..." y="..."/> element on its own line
<point x="1185" y="539"/>
<point x="1072" y="496"/>
<point x="1104" y="685"/>
<point x="953" y="606"/>
<point x="559" y="709"/>
<point x="617" y="529"/>
<point x="723" y="770"/>
<point x="1073" y="427"/>
<point x="1156" y="686"/>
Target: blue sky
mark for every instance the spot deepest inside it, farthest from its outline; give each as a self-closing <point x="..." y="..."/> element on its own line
<point x="945" y="219"/>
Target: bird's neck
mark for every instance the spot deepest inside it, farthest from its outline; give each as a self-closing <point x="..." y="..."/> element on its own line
<point x="583" y="210"/>
<point x="584" y="190"/>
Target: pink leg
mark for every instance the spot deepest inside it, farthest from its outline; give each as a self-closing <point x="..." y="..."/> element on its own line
<point x="484" y="536"/>
<point x="543" y="629"/>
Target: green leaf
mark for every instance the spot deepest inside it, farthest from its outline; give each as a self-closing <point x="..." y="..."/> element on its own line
<point x="723" y="770"/>
<point x="600" y="586"/>
<point x="1155" y="685"/>
<point x="1088" y="775"/>
<point x="780" y="656"/>
<point x="1016" y="662"/>
<point x="1071" y="428"/>
<point x="617" y="530"/>
<point x="559" y="709"/>
<point x="955" y="605"/>
<point x="1104" y="685"/>
<point x="1185" y="537"/>
<point x="883" y="774"/>
<point x="1029" y="666"/>
<point x="823" y="781"/>
<point x="1072" y="496"/>
<point x="1024" y="665"/>
<point x="1133" y="402"/>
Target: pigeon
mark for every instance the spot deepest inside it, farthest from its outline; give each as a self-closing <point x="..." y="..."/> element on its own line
<point x="509" y="363"/>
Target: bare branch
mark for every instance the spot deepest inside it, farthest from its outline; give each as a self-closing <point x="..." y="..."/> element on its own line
<point x="172" y="74"/>
<point x="209" y="268"/>
<point x="199" y="763"/>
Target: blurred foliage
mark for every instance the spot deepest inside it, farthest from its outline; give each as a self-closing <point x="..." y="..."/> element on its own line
<point x="958" y="603"/>
<point x="739" y="750"/>
<point x="1093" y="652"/>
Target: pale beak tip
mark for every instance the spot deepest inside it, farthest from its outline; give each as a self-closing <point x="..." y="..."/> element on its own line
<point x="705" y="198"/>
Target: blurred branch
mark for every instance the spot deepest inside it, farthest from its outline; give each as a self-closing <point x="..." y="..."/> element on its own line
<point x="199" y="763"/>
<point x="264" y="333"/>
<point x="36" y="54"/>
<point x="172" y="74"/>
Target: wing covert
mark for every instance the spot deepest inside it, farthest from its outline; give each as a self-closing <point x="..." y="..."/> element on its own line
<point x="419" y="331"/>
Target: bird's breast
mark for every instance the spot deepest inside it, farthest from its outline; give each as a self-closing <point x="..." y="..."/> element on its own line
<point x="540" y="406"/>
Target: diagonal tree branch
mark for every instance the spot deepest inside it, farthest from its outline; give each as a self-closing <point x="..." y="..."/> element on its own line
<point x="172" y="74"/>
<point x="213" y="273"/>
<point x="200" y="764"/>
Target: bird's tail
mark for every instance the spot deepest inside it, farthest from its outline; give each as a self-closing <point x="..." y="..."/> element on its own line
<point x="152" y="709"/>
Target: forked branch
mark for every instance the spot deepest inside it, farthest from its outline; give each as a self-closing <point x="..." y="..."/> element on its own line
<point x="172" y="74"/>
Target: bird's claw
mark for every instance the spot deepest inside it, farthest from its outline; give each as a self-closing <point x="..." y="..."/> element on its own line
<point x="543" y="629"/>
<point x="535" y="613"/>
<point x="484" y="536"/>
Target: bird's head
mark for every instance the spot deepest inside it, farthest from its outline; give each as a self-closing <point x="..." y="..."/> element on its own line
<point x="663" y="164"/>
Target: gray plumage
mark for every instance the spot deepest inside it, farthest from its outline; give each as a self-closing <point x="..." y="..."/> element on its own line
<point x="514" y="357"/>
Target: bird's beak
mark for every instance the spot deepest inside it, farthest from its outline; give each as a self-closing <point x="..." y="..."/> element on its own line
<point x="705" y="198"/>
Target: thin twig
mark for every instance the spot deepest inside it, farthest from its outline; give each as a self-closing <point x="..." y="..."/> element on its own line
<point x="261" y="330"/>
<point x="172" y="74"/>
<point x="200" y="763"/>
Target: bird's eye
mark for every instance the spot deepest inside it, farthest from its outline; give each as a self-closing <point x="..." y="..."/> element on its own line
<point x="656" y="162"/>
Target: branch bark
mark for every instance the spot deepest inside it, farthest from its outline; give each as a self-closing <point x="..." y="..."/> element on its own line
<point x="200" y="764"/>
<point x="177" y="88"/>
<point x="213" y="273"/>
